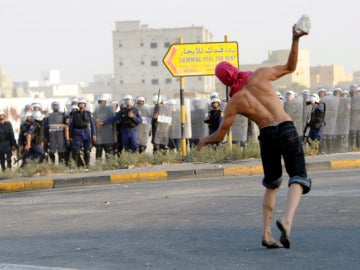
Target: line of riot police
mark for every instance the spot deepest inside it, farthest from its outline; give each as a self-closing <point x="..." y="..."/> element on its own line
<point x="332" y="118"/>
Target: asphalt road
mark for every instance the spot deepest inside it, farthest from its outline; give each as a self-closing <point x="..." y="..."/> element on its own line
<point x="185" y="224"/>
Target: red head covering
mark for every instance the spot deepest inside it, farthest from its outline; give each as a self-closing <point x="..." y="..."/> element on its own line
<point x="231" y="76"/>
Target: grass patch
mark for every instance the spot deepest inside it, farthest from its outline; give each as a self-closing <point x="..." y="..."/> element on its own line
<point x="211" y="154"/>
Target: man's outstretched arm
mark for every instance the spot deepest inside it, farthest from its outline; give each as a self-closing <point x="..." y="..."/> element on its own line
<point x="291" y="64"/>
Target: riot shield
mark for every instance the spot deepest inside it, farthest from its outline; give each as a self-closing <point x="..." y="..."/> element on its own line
<point x="105" y="134"/>
<point x="295" y="110"/>
<point x="355" y="113"/>
<point x="57" y="142"/>
<point x="342" y="126"/>
<point x="354" y="133"/>
<point x="306" y="114"/>
<point x="144" y="128"/>
<point x="163" y="124"/>
<point x="240" y="129"/>
<point x="198" y="126"/>
<point x="328" y="141"/>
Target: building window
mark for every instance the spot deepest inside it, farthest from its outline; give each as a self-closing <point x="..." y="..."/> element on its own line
<point x="121" y="81"/>
<point x="153" y="45"/>
<point x="154" y="63"/>
<point x="120" y="44"/>
<point x="166" y="44"/>
<point x="155" y="81"/>
<point x="143" y="81"/>
<point x="142" y="62"/>
<point x="199" y="78"/>
<point x="141" y="44"/>
<point x="168" y="81"/>
<point x="120" y="63"/>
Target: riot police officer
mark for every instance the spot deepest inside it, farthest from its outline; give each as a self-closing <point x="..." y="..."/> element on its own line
<point x="129" y="118"/>
<point x="31" y="138"/>
<point x="214" y="118"/>
<point x="82" y="133"/>
<point x="7" y="141"/>
<point x="105" y="136"/>
<point x="57" y="134"/>
<point x="317" y="117"/>
<point x="144" y="127"/>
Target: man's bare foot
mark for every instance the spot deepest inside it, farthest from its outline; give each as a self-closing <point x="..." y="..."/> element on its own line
<point x="271" y="244"/>
<point x="284" y="238"/>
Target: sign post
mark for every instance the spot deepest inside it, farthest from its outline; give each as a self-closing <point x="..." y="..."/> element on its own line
<point x="197" y="59"/>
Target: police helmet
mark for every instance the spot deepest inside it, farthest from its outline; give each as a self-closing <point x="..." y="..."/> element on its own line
<point x="81" y="100"/>
<point x="102" y="97"/>
<point x="305" y="92"/>
<point x="37" y="115"/>
<point x="345" y="92"/>
<point x="36" y="105"/>
<point x="55" y="105"/>
<point x="279" y="95"/>
<point x="213" y="100"/>
<point x="127" y="97"/>
<point x="139" y="98"/>
<point x="337" y="89"/>
<point x="2" y="111"/>
<point x="28" y="107"/>
<point x="214" y="95"/>
<point x="313" y="98"/>
<point x="321" y="90"/>
<point x="122" y="104"/>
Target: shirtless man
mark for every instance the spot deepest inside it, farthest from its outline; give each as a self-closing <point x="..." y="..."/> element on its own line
<point x="253" y="96"/>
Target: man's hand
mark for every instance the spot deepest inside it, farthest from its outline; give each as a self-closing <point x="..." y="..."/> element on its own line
<point x="131" y="114"/>
<point x="296" y="34"/>
<point x="201" y="144"/>
<point x="94" y="138"/>
<point x="99" y="124"/>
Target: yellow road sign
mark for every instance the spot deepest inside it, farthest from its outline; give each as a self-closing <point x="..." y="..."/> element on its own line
<point x="196" y="59"/>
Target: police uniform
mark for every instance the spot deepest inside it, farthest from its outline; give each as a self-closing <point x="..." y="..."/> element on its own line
<point x="82" y="129"/>
<point x="215" y="117"/>
<point x="128" y="127"/>
<point x="7" y="143"/>
<point x="36" y="151"/>
<point x="317" y="122"/>
<point x="54" y="126"/>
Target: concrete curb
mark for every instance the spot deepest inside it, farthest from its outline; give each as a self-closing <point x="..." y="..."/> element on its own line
<point x="9" y="186"/>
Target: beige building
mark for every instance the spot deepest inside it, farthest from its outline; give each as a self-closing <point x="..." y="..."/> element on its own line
<point x="138" y="60"/>
<point x="6" y="85"/>
<point x="297" y="80"/>
<point x="330" y="76"/>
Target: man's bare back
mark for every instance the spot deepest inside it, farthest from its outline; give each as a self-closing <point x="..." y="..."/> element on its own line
<point x="258" y="101"/>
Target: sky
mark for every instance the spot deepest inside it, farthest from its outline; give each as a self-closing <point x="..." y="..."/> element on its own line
<point x="75" y="36"/>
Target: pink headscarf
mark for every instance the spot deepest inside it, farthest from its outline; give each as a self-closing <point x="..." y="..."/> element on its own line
<point x="231" y="76"/>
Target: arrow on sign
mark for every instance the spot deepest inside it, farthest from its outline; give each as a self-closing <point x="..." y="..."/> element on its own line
<point x="199" y="59"/>
<point x="168" y="60"/>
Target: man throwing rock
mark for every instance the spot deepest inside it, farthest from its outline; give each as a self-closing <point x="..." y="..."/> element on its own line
<point x="253" y="96"/>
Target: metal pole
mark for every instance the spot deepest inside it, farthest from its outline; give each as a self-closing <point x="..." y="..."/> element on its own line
<point x="182" y="112"/>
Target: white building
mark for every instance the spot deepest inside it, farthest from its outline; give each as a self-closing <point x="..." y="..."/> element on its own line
<point x="138" y="60"/>
<point x="6" y="85"/>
